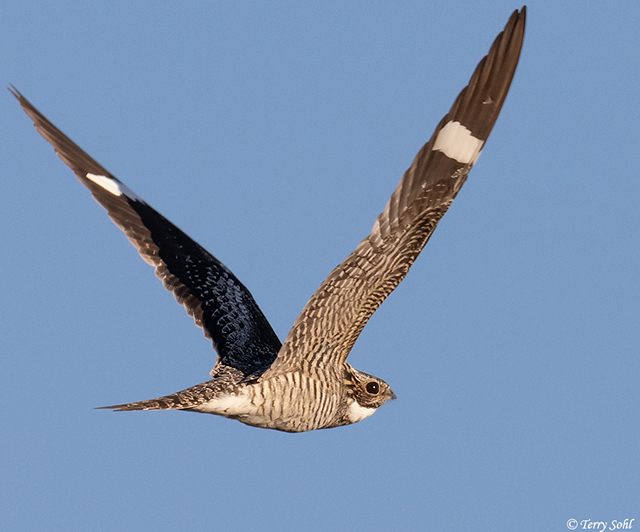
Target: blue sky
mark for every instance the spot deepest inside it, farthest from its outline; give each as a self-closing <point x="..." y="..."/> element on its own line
<point x="274" y="133"/>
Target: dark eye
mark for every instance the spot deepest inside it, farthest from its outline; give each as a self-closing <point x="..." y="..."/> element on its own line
<point x="373" y="388"/>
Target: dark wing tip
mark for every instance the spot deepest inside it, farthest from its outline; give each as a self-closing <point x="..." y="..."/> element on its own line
<point x="478" y="105"/>
<point x="116" y="408"/>
<point x="15" y="92"/>
<point x="71" y="154"/>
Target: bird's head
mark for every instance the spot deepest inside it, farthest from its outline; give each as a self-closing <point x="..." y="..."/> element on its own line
<point x="367" y="394"/>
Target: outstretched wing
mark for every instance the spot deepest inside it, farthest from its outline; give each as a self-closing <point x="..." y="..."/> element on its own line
<point x="211" y="294"/>
<point x="334" y="317"/>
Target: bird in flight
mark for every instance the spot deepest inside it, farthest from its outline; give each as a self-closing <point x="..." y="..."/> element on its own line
<point x="305" y="383"/>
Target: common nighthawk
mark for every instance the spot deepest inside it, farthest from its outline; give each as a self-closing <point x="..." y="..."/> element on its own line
<point x="305" y="383"/>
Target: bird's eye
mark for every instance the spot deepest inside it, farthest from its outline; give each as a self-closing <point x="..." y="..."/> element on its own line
<point x="373" y="388"/>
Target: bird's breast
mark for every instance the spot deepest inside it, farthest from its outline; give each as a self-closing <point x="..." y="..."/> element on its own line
<point x="292" y="402"/>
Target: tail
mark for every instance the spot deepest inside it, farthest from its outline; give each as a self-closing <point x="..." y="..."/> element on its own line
<point x="184" y="400"/>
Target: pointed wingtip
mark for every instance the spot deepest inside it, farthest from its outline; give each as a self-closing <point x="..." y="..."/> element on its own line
<point x="521" y="15"/>
<point x="114" y="408"/>
<point x="16" y="93"/>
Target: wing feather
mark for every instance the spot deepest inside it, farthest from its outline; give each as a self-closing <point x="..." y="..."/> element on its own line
<point x="334" y="317"/>
<point x="210" y="293"/>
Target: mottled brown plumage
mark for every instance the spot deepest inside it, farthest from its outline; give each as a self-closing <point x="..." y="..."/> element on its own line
<point x="306" y="383"/>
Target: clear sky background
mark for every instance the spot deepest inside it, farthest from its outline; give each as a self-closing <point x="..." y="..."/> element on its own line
<point x="273" y="133"/>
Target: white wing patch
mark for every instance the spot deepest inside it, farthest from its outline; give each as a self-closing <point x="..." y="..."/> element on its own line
<point x="112" y="186"/>
<point x="457" y="142"/>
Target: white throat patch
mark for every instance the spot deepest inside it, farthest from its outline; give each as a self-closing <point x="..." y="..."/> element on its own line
<point x="358" y="413"/>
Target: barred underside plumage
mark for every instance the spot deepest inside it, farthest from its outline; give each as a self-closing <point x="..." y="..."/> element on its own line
<point x="305" y="383"/>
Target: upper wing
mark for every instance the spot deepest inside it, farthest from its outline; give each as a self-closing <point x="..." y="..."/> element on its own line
<point x="211" y="294"/>
<point x="332" y="320"/>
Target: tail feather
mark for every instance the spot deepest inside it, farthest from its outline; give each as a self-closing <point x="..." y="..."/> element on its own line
<point x="184" y="400"/>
